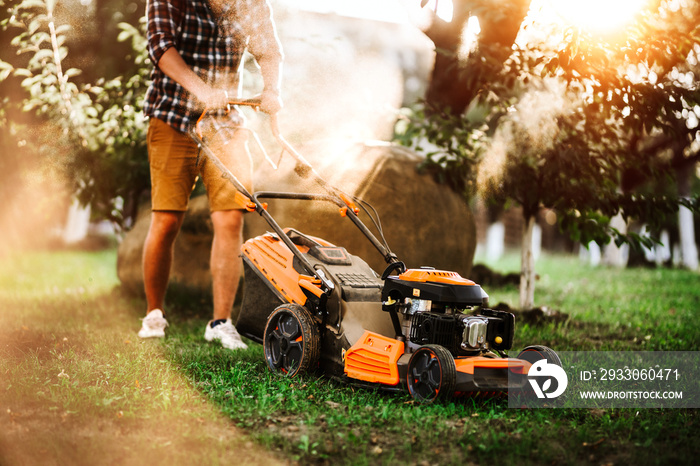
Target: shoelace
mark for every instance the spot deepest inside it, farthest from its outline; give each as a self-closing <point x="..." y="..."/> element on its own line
<point x="229" y="330"/>
<point x="157" y="322"/>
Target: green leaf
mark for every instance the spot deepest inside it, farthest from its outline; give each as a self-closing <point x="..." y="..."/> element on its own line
<point x="72" y="72"/>
<point x="43" y="54"/>
<point x="34" y="25"/>
<point x="123" y="36"/>
<point x="29" y="4"/>
<point x="62" y="29"/>
<point x="50" y="80"/>
<point x="17" y="41"/>
<point x="23" y="72"/>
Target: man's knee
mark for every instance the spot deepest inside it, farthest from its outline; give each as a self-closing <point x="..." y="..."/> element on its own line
<point x="229" y="221"/>
<point x="165" y="225"/>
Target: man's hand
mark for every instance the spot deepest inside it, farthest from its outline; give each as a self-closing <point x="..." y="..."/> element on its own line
<point x="213" y="98"/>
<point x="270" y="102"/>
<point x="172" y="64"/>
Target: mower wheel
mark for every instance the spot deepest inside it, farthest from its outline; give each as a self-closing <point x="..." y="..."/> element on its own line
<point x="431" y="374"/>
<point x="291" y="340"/>
<point x="534" y="353"/>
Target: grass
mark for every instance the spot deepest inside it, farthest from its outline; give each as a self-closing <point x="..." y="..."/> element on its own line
<point x="105" y="370"/>
<point x="317" y="420"/>
<point x="320" y="420"/>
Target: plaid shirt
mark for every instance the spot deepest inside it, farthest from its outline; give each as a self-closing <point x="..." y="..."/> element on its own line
<point x="211" y="40"/>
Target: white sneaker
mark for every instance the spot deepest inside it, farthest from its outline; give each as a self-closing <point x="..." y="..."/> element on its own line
<point x="226" y="333"/>
<point x="153" y="325"/>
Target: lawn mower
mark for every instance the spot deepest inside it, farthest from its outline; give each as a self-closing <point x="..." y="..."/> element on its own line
<point x="317" y="308"/>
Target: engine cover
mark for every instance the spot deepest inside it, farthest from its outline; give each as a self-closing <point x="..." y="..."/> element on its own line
<point x="438" y="286"/>
<point x="435" y="328"/>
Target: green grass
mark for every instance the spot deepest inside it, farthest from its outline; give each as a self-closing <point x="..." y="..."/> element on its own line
<point x="57" y="304"/>
<point x="317" y="420"/>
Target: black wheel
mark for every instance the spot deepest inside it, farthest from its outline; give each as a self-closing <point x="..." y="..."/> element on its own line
<point x="431" y="374"/>
<point x="534" y="353"/>
<point x="291" y="340"/>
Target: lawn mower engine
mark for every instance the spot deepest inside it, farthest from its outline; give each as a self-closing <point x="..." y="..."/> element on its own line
<point x="437" y="308"/>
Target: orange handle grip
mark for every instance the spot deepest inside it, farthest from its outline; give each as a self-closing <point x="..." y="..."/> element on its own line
<point x="253" y="103"/>
<point x="311" y="286"/>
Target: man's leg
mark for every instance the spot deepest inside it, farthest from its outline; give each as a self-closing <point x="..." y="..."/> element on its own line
<point x="225" y="261"/>
<point x="225" y="271"/>
<point x="172" y="158"/>
<point x="158" y="255"/>
<point x="227" y="217"/>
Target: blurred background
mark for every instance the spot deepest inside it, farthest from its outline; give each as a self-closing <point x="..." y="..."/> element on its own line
<point x="564" y="128"/>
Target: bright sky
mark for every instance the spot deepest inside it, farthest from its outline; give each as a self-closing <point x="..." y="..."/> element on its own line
<point x="597" y="16"/>
<point x="381" y="10"/>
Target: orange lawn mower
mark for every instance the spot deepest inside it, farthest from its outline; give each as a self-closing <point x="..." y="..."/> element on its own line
<point x="316" y="307"/>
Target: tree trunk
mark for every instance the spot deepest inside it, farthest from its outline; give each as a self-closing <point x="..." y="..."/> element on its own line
<point x="527" y="266"/>
<point x="686" y="227"/>
<point x="614" y="255"/>
<point x="77" y="223"/>
<point x="455" y="82"/>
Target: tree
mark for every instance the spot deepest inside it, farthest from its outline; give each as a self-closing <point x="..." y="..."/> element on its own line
<point x="595" y="154"/>
<point x="93" y="131"/>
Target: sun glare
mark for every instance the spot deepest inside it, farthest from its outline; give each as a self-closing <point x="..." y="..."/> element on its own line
<point x="598" y="16"/>
<point x="443" y="8"/>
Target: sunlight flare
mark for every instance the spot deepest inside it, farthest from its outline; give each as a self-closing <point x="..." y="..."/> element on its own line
<point x="443" y="8"/>
<point x="598" y="16"/>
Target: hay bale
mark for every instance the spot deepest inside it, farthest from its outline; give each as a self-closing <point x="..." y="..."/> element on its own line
<point x="424" y="222"/>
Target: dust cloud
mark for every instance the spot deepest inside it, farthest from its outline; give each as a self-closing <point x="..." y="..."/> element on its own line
<point x="530" y="127"/>
<point x="344" y="80"/>
<point x="36" y="199"/>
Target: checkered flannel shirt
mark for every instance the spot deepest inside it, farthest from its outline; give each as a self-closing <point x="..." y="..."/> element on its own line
<point x="211" y="36"/>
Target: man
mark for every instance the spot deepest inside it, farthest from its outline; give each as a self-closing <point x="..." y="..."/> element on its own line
<point x="196" y="47"/>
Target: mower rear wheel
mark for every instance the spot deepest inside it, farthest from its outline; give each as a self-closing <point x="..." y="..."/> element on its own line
<point x="431" y="374"/>
<point x="291" y="340"/>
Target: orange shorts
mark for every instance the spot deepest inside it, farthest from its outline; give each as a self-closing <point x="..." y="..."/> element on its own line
<point x="176" y="162"/>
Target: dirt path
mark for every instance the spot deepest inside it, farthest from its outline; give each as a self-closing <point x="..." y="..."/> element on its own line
<point x="38" y="430"/>
<point x="77" y="387"/>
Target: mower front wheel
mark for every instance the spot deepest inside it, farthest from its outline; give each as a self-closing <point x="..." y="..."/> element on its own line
<point x="534" y="353"/>
<point x="291" y="340"/>
<point x="431" y="374"/>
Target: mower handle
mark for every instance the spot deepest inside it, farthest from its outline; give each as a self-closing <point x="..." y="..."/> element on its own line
<point x="304" y="169"/>
<point x="253" y="103"/>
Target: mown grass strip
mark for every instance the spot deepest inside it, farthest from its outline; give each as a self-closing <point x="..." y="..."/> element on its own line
<point x="78" y="387"/>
